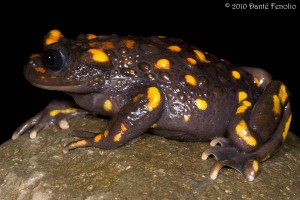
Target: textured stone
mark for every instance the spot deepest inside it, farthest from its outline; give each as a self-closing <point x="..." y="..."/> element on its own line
<point x="152" y="167"/>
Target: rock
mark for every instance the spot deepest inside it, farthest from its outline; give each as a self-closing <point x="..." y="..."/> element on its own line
<point x="152" y="167"/>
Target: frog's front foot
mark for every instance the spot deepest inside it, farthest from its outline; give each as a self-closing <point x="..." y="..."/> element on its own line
<point x="227" y="155"/>
<point x="56" y="112"/>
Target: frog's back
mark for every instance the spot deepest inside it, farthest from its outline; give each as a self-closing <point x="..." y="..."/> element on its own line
<point x="168" y="62"/>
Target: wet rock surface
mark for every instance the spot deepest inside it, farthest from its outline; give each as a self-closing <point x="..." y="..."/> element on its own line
<point x="152" y="167"/>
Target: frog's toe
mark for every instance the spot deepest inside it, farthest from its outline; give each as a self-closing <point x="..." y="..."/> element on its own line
<point x="33" y="134"/>
<point x="63" y="124"/>
<point x="215" y="170"/>
<point x="89" y="140"/>
<point x="77" y="144"/>
<point x="32" y="124"/>
<point x="250" y="170"/>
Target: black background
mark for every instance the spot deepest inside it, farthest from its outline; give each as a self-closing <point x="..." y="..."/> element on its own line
<point x="248" y="37"/>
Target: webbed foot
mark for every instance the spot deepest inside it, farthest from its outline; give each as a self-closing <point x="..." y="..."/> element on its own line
<point x="56" y="112"/>
<point x="227" y="155"/>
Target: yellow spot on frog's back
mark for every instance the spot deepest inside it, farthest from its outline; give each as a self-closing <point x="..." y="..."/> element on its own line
<point x="117" y="137"/>
<point x="243" y="132"/>
<point x="286" y="127"/>
<point x="162" y="64"/>
<point x="190" y="80"/>
<point x="192" y="61"/>
<point x="236" y="74"/>
<point x="93" y="44"/>
<point x="255" y="165"/>
<point x="153" y="96"/>
<point x="242" y="96"/>
<point x="105" y="133"/>
<point x="107" y="105"/>
<point x="129" y="43"/>
<point x="98" y="55"/>
<point x="53" y="113"/>
<point x="161" y="36"/>
<point x="40" y="69"/>
<point x="98" y="137"/>
<point x="53" y="36"/>
<point x="187" y="118"/>
<point x="201" y="104"/>
<point x="90" y="36"/>
<point x="276" y="105"/>
<point x="282" y="94"/>
<point x="201" y="56"/>
<point x="107" y="45"/>
<point x="256" y="81"/>
<point x="174" y="48"/>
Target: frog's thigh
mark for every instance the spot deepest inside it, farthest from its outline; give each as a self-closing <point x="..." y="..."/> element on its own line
<point x="253" y="125"/>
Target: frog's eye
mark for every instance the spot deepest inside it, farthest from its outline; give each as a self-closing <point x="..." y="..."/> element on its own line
<point x="54" y="59"/>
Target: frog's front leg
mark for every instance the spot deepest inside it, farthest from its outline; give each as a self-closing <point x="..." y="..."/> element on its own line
<point x="133" y="119"/>
<point x="255" y="132"/>
<point x="56" y="112"/>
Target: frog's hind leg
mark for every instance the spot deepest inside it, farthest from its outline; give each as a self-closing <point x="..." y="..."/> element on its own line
<point x="254" y="133"/>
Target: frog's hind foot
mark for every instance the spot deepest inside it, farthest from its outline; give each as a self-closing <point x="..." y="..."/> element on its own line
<point x="229" y="156"/>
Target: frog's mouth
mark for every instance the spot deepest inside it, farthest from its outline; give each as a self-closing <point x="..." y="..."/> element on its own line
<point x="66" y="88"/>
<point x="41" y="77"/>
<point x="58" y="83"/>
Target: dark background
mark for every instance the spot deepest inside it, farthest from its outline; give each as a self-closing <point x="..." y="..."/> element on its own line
<point x="261" y="38"/>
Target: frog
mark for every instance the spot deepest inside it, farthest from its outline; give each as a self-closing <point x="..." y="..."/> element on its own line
<point x="163" y="86"/>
